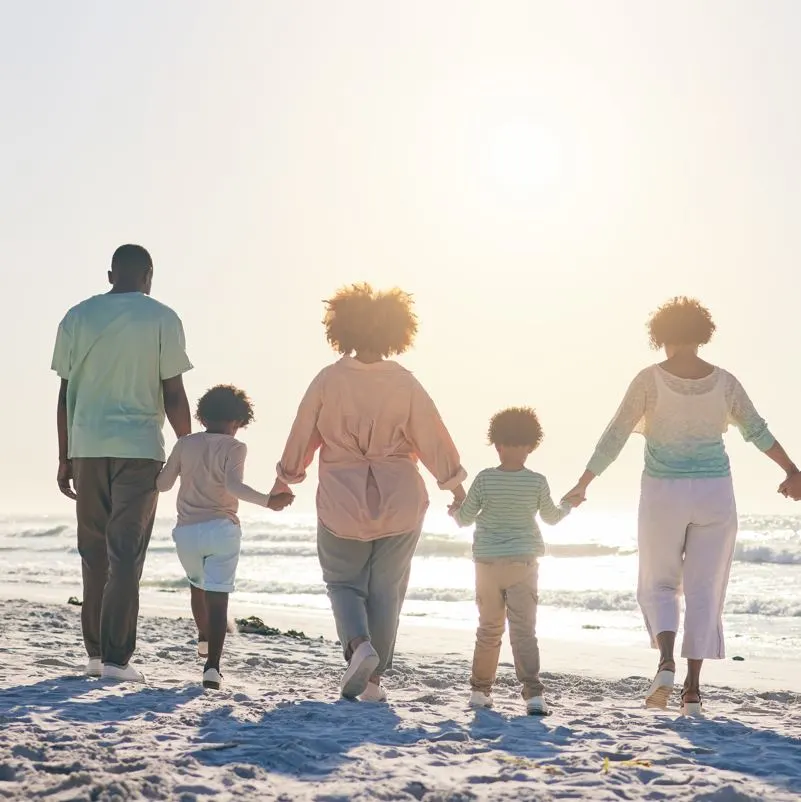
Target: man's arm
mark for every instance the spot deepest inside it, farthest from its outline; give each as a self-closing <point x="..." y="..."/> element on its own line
<point x="176" y="406"/>
<point x="64" y="478"/>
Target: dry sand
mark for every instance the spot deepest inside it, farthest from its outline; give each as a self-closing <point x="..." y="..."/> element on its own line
<point x="278" y="731"/>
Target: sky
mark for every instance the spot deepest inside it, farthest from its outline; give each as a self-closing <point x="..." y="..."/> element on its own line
<point x="539" y="175"/>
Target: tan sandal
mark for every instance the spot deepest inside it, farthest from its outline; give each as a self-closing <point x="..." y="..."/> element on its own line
<point x="691" y="709"/>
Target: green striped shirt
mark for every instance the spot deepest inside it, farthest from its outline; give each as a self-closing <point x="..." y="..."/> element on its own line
<point x="504" y="505"/>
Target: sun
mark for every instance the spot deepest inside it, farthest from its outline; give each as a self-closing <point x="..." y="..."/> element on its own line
<point x="521" y="158"/>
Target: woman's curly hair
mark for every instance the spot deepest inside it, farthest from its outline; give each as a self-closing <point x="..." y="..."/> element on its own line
<point x="359" y="318"/>
<point x="680" y="321"/>
<point x="516" y="426"/>
<point x="225" y="404"/>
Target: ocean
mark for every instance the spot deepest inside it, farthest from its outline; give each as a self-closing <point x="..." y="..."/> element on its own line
<point x="587" y="579"/>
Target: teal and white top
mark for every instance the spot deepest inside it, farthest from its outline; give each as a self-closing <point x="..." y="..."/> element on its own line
<point x="504" y="505"/>
<point x="683" y="421"/>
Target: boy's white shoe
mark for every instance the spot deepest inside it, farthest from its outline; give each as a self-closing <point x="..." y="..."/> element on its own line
<point x="122" y="673"/>
<point x="536" y="707"/>
<point x="374" y="693"/>
<point x="212" y="679"/>
<point x="202" y="648"/>
<point x="479" y="699"/>
<point x="363" y="662"/>
<point x="94" y="667"/>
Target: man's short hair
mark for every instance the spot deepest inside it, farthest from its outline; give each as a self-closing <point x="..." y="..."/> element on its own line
<point x="131" y="261"/>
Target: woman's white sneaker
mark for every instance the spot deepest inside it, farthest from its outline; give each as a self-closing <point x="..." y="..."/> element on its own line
<point x="374" y="693"/>
<point x="202" y="648"/>
<point x="479" y="699"/>
<point x="363" y="663"/>
<point x="122" y="673"/>
<point x="660" y="690"/>
<point x="94" y="667"/>
<point x="536" y="707"/>
<point x="212" y="679"/>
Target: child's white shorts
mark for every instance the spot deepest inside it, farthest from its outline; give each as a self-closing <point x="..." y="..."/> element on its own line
<point x="209" y="553"/>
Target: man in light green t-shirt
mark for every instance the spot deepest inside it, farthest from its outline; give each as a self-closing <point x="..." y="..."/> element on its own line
<point x="120" y="357"/>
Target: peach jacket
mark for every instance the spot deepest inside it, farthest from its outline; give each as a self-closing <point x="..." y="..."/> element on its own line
<point x="371" y="423"/>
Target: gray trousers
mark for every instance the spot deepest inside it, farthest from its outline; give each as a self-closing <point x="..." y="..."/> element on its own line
<point x="116" y="510"/>
<point x="367" y="583"/>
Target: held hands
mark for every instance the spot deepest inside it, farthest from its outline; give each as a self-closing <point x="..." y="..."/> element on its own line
<point x="458" y="499"/>
<point x="65" y="479"/>
<point x="791" y="486"/>
<point x="280" y="501"/>
<point x="280" y="496"/>
<point x="575" y="497"/>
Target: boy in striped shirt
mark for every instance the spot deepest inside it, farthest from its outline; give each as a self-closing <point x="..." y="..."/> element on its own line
<point x="503" y="502"/>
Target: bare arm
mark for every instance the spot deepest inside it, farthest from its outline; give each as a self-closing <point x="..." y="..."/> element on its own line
<point x="176" y="406"/>
<point x="777" y="453"/>
<point x="64" y="478"/>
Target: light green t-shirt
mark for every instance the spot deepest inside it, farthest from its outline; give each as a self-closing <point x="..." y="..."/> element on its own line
<point x="115" y="350"/>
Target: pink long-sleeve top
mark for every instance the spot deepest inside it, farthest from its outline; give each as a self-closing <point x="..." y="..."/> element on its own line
<point x="371" y="424"/>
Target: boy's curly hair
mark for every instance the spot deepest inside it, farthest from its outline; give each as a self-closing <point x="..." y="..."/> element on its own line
<point x="225" y="404"/>
<point x="680" y="321"/>
<point x="516" y="426"/>
<point x="359" y="318"/>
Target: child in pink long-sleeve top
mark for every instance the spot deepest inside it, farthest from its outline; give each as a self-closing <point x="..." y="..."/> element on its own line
<point x="371" y="421"/>
<point x="211" y="467"/>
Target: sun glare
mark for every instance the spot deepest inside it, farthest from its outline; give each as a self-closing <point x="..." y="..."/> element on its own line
<point x="521" y="158"/>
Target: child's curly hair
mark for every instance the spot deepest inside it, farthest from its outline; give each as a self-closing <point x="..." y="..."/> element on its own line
<point x="225" y="404"/>
<point x="680" y="321"/>
<point x="516" y="426"/>
<point x="359" y="318"/>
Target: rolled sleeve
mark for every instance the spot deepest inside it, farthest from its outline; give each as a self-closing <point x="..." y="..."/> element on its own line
<point x="752" y="426"/>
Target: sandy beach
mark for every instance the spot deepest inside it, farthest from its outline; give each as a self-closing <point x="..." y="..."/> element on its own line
<point x="277" y="730"/>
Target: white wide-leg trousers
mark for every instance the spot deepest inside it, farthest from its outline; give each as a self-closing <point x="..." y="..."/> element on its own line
<point x="687" y="533"/>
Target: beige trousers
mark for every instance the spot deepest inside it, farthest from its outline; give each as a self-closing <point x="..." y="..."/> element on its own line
<point x="507" y="590"/>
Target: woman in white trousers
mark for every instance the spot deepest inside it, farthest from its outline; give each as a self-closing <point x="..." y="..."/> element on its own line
<point x="688" y="517"/>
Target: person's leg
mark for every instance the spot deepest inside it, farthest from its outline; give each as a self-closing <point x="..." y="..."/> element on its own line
<point x="345" y="570"/>
<point x="491" y="622"/>
<point x="521" y="609"/>
<point x="217" y="605"/>
<point x="388" y="579"/>
<point x="93" y="509"/>
<point x="189" y="548"/>
<point x="662" y="527"/>
<point x="220" y="543"/>
<point x="133" y="511"/>
<point x="708" y="556"/>
<point x="200" y="612"/>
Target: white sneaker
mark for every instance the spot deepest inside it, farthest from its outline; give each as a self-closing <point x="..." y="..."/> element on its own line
<point x="122" y="674"/>
<point x="212" y="679"/>
<point x="374" y="693"/>
<point x="536" y="707"/>
<point x="363" y="662"/>
<point x="202" y="648"/>
<point x="659" y="693"/>
<point x="94" y="667"/>
<point x="479" y="699"/>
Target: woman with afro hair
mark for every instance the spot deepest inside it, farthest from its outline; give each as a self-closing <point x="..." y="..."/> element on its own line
<point x="371" y="421"/>
<point x="687" y="518"/>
